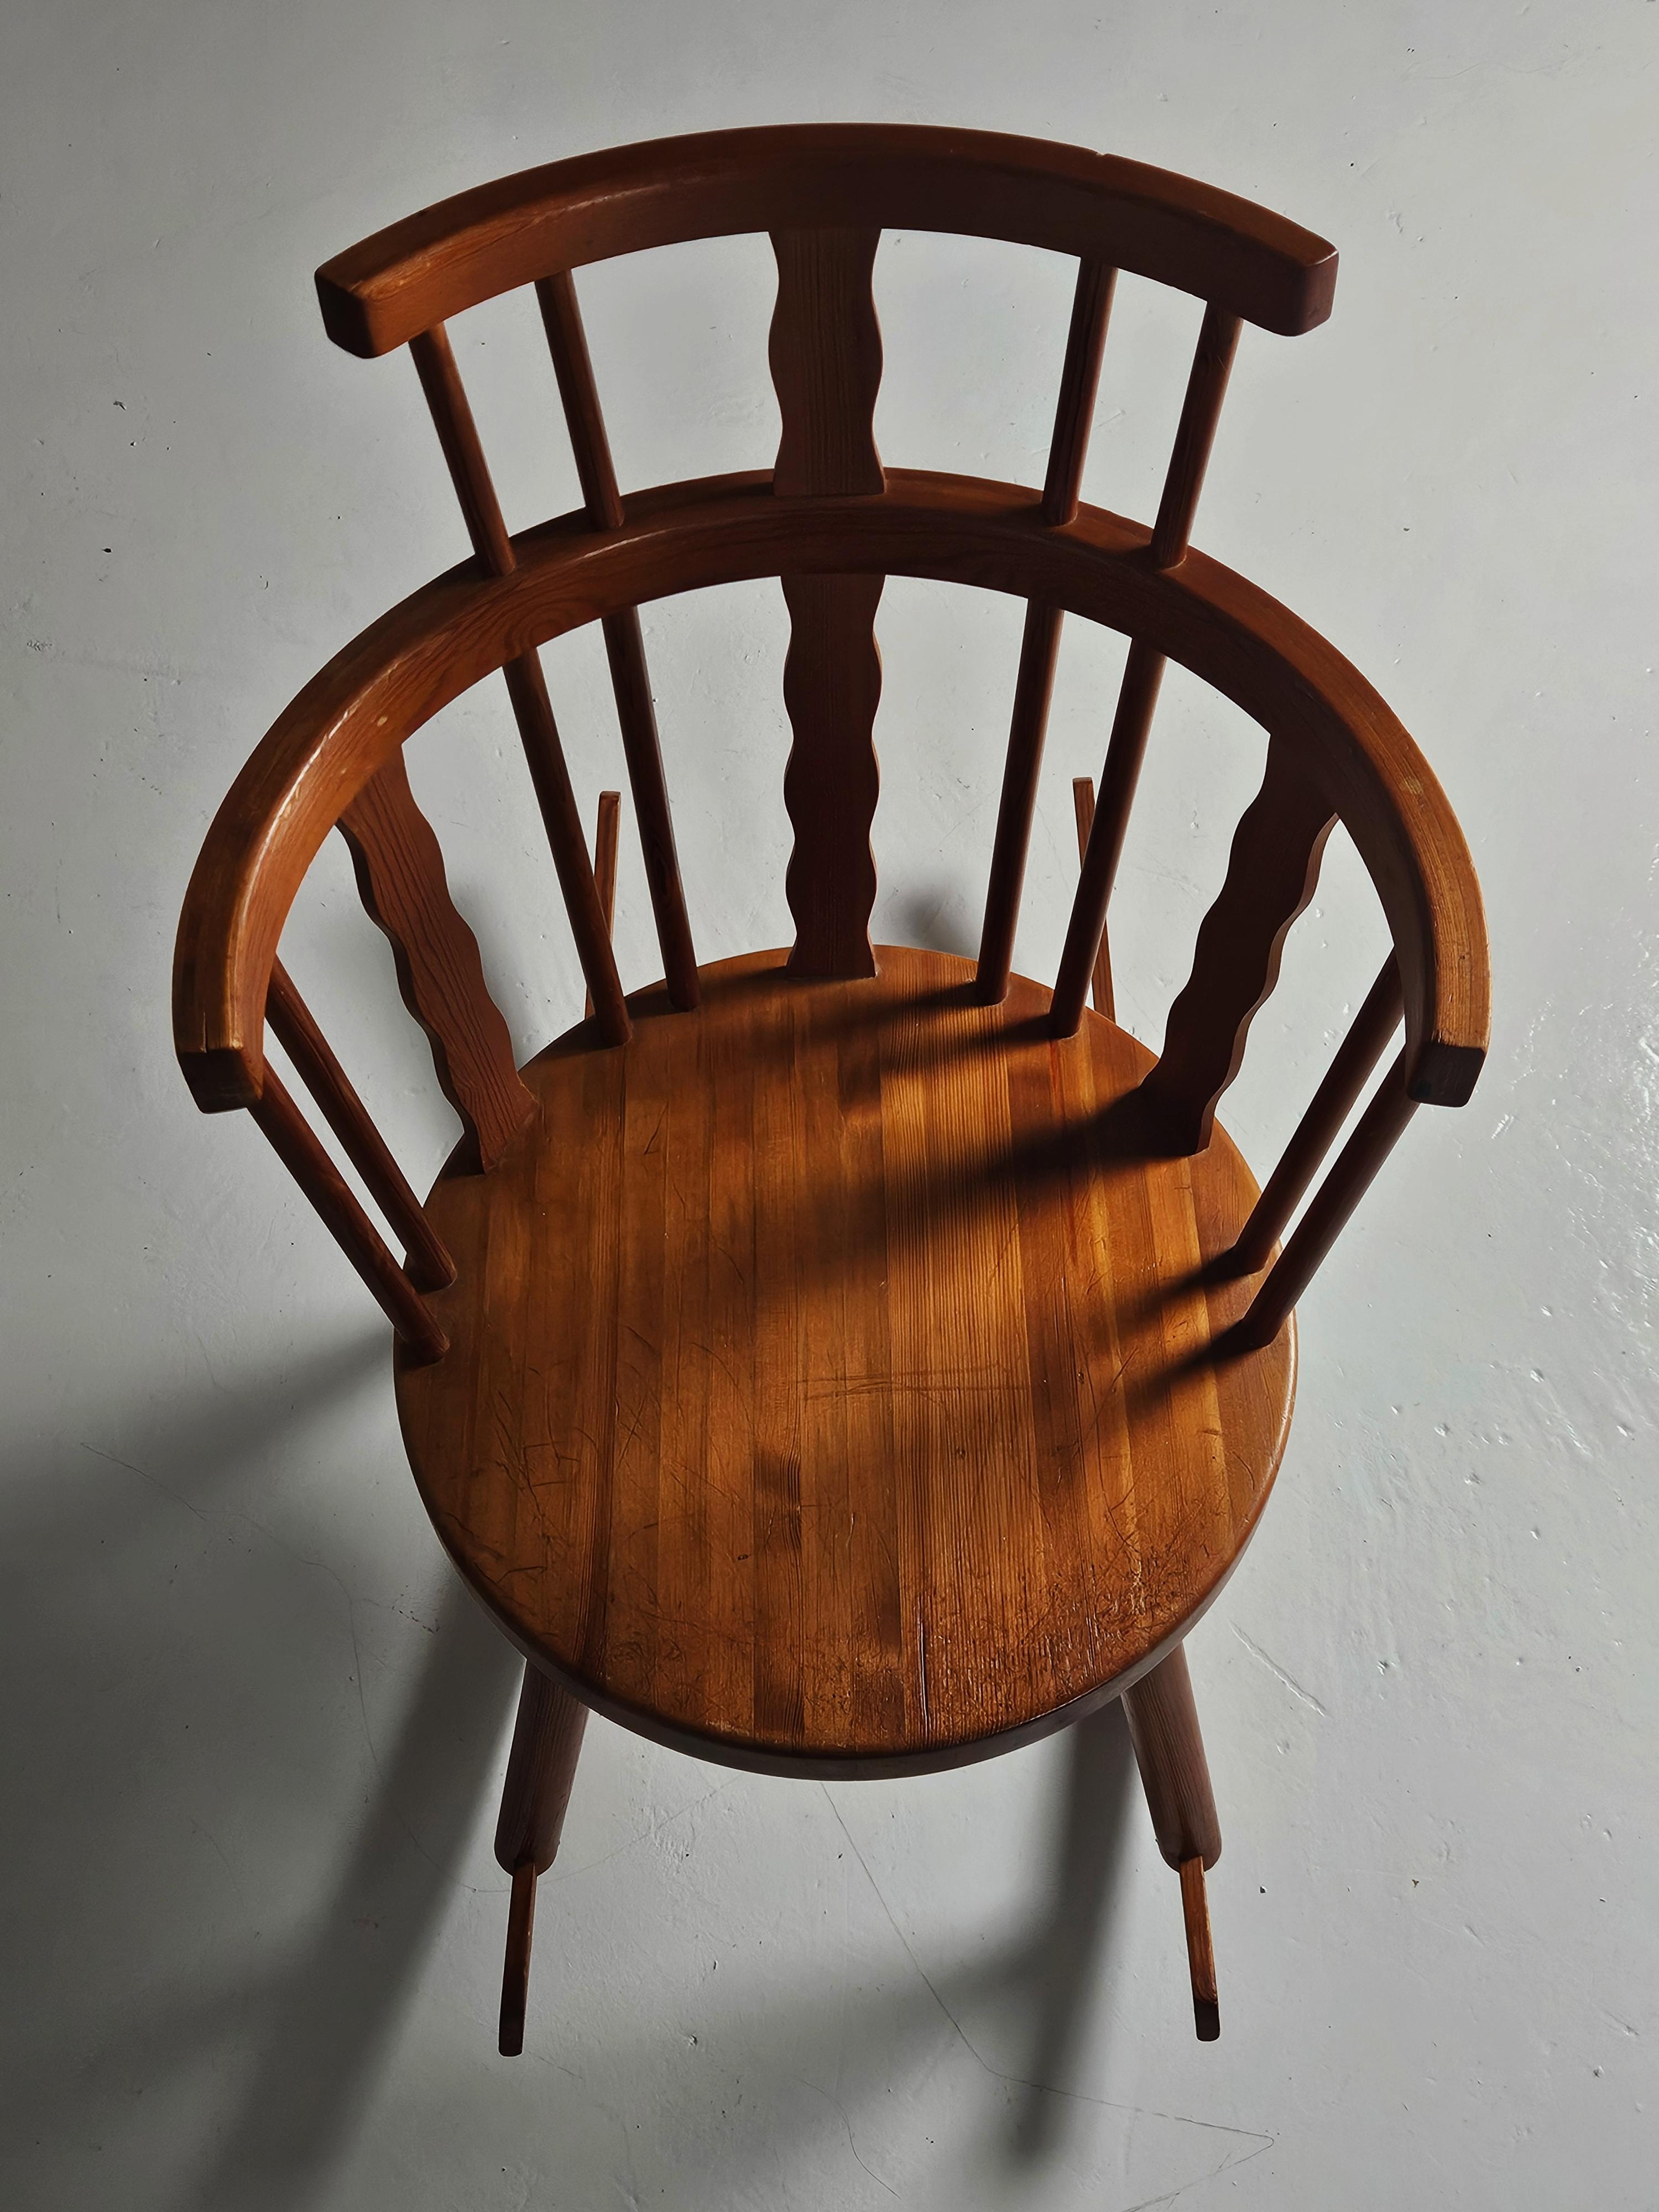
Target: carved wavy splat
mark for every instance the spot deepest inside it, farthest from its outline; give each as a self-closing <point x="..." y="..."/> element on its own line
<point x="825" y="351"/>
<point x="400" y="875"/>
<point x="831" y="687"/>
<point x="1272" y="872"/>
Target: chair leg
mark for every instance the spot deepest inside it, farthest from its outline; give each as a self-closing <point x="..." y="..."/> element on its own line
<point x="1169" y="1753"/>
<point x="547" y="1739"/>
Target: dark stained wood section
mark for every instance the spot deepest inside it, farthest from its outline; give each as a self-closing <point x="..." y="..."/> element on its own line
<point x="825" y="351"/>
<point x="547" y="1741"/>
<point x="1271" y="872"/>
<point x="1101" y="994"/>
<point x="829" y="1384"/>
<point x="825" y="354"/>
<point x="1079" y="382"/>
<point x="636" y="713"/>
<point x="607" y="835"/>
<point x="978" y="184"/>
<point x="831" y="689"/>
<point x="400" y="876"/>
<point x="1189" y="458"/>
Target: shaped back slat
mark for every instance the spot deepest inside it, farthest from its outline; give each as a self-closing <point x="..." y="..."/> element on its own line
<point x="825" y="354"/>
<point x="400" y="876"/>
<point x="1091" y="308"/>
<point x="624" y="647"/>
<point x="526" y="685"/>
<point x="824" y="349"/>
<point x="1271" y="870"/>
<point x="1143" y="672"/>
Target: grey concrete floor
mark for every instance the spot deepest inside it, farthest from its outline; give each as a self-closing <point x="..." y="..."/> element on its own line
<point x="252" y="1731"/>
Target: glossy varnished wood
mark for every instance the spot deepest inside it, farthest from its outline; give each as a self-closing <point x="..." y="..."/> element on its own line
<point x="828" y="1388"/>
<point x="1102" y="996"/>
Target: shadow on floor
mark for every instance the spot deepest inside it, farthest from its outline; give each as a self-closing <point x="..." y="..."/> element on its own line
<point x="151" y="1977"/>
<point x="122" y="1988"/>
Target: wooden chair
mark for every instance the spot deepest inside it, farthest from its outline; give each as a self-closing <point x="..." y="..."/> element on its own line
<point x="838" y="1362"/>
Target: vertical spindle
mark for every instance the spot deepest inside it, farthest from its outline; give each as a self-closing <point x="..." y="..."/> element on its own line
<point x="1330" y="1107"/>
<point x="426" y="1263"/>
<point x="624" y="646"/>
<point x="1143" y="673"/>
<point x="526" y="685"/>
<point x="297" y="1145"/>
<point x="1091" y="308"/>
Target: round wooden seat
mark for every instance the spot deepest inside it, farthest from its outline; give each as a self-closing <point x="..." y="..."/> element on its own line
<point x="829" y="1380"/>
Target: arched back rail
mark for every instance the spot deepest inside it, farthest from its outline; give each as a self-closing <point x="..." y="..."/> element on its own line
<point x="1250" y="263"/>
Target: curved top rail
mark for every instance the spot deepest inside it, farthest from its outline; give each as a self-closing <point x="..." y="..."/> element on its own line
<point x="355" y="714"/>
<point x="984" y="184"/>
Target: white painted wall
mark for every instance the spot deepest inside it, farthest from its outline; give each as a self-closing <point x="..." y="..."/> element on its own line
<point x="252" y="1734"/>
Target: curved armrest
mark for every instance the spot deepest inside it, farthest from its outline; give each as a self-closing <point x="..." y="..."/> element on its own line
<point x="354" y="715"/>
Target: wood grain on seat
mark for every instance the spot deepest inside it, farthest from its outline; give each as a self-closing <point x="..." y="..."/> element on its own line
<point x="828" y="1382"/>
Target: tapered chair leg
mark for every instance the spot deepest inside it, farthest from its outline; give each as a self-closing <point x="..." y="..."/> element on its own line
<point x="547" y="1739"/>
<point x="1169" y="1753"/>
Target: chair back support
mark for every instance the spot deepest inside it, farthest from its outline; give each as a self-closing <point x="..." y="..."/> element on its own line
<point x="831" y="522"/>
